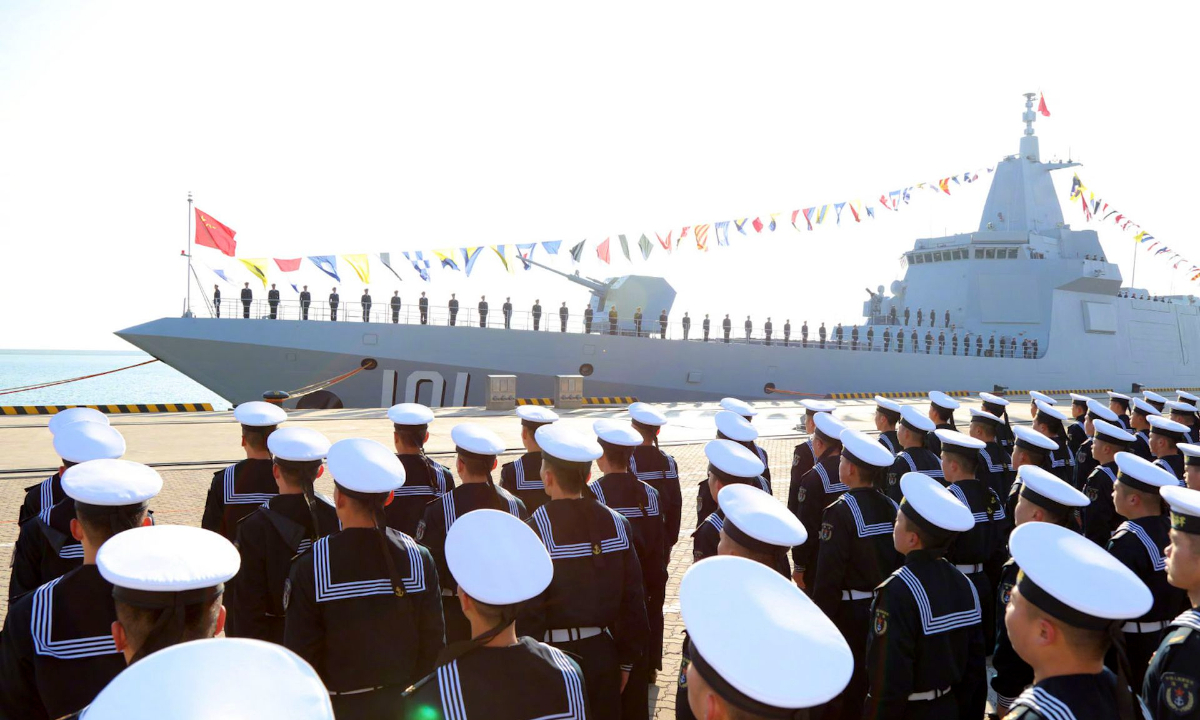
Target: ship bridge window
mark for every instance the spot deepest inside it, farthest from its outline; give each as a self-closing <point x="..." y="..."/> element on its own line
<point x="937" y="257"/>
<point x="990" y="253"/>
<point x="928" y="257"/>
<point x="1012" y="253"/>
<point x="978" y="253"/>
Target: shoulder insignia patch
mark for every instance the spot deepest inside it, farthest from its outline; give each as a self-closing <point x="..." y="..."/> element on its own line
<point x="826" y="532"/>
<point x="891" y="478"/>
<point x="1006" y="593"/>
<point x="795" y="459"/>
<point x="287" y="592"/>
<point x="420" y="530"/>
<point x="801" y="492"/>
<point x="697" y="556"/>
<point x="1179" y="692"/>
<point x="1092" y="492"/>
<point x="881" y="617"/>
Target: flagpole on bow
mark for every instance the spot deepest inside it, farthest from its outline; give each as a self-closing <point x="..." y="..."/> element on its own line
<point x="1133" y="279"/>
<point x="187" y="308"/>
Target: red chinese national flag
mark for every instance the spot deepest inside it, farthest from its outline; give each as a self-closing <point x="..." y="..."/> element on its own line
<point x="286" y="265"/>
<point x="1045" y="111"/>
<point x="213" y="234"/>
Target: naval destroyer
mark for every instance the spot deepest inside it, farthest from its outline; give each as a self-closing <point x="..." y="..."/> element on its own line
<point x="1024" y="273"/>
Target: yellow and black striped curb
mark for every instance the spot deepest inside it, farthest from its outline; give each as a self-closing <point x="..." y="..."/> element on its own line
<point x="912" y="394"/>
<point x="1007" y="393"/>
<point x="111" y="409"/>
<point x="549" y="402"/>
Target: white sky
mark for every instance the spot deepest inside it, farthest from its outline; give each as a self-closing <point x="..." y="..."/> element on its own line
<point x="364" y="127"/>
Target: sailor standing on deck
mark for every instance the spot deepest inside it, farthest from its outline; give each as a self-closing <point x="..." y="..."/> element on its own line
<point x="334" y="300"/>
<point x="366" y="305"/>
<point x="363" y="605"/>
<point x="1165" y="436"/>
<point x="217" y="299"/>
<point x="423" y="309"/>
<point x="563" y="314"/>
<point x="500" y="565"/>
<point x="706" y="325"/>
<point x="477" y="449"/>
<point x="506" y="310"/>
<point x="925" y="649"/>
<point x="305" y="302"/>
<point x="657" y="469"/>
<point x="818" y="487"/>
<point x="247" y="298"/>
<point x="453" y="308"/>
<point x="912" y="431"/>
<point x="687" y="325"/>
<point x="239" y="489"/>
<point x="57" y="650"/>
<point x="726" y="327"/>
<point x="594" y="608"/>
<point x="523" y="477"/>
<point x="1100" y="519"/>
<point x="589" y="314"/>
<point x="537" y="314"/>
<point x="1119" y="403"/>
<point x="855" y="555"/>
<point x="941" y="412"/>
<point x="48" y="492"/>
<point x="887" y="414"/>
<point x="425" y="480"/>
<point x="483" y="310"/>
<point x="273" y="301"/>
<point x="395" y="305"/>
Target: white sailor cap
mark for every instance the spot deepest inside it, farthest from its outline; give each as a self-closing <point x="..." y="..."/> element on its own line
<point x="758" y="641"/>
<point x="1112" y="434"/>
<point x="818" y="406"/>
<point x="1041" y="487"/>
<point x="111" y="483"/>
<point x="1119" y="397"/>
<point x="536" y="414"/>
<point x="915" y="419"/>
<point x="298" y="444"/>
<point x="942" y="400"/>
<point x="476" y="439"/>
<point x="1099" y="411"/>
<point x="955" y="441"/>
<point x="733" y="460"/>
<point x="616" y="432"/>
<point x="1182" y="395"/>
<point x="1034" y="396"/>
<point x="1140" y="405"/>
<point x="1176" y="406"/>
<point x="1077" y="399"/>
<point x="644" y="414"/>
<point x="496" y="558"/>
<point x="887" y="404"/>
<point x="1030" y="439"/>
<point x="1073" y="579"/>
<point x="567" y="445"/>
<point x="257" y="413"/>
<point x="985" y="417"/>
<point x="1153" y="397"/>
<point x="1048" y="411"/>
<point x="757" y="521"/>
<point x="735" y="427"/>
<point x="1169" y="428"/>
<point x="1185" y="508"/>
<point x="1141" y="474"/>
<point x="168" y="559"/>
<point x="739" y="407"/>
<point x="211" y="678"/>
<point x="861" y="449"/>
<point x="410" y="414"/>
<point x="63" y="418"/>
<point x="932" y="507"/>
<point x="991" y="399"/>
<point x="83" y="441"/>
<point x="1191" y="453"/>
<point x="364" y="466"/>
<point x="828" y="425"/>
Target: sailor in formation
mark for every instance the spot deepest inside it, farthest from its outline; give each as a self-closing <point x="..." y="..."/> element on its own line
<point x="925" y="648"/>
<point x="425" y="479"/>
<point x="1191" y="465"/>
<point x="1165" y="436"/>
<point x="1085" y="461"/>
<point x="46" y="547"/>
<point x="887" y="414"/>
<point x="817" y="488"/>
<point x="1100" y="519"/>
<point x="57" y="649"/>
<point x="1119" y="403"/>
<point x="500" y="565"/>
<point x="620" y="491"/>
<point x="362" y="606"/>
<point x="595" y="607"/>
<point x="522" y="477"/>
<point x="477" y="449"/>
<point x="747" y="412"/>
<point x="998" y="406"/>
<point x="1184" y="414"/>
<point x="657" y="469"/>
<point x="1139" y="425"/>
<point x="48" y="493"/>
<point x="911" y="432"/>
<point x="1049" y="421"/>
<point x="736" y="428"/>
<point x="728" y="464"/>
<point x="238" y="490"/>
<point x="278" y="532"/>
<point x="994" y="462"/>
<point x="941" y="412"/>
<point x="855" y="554"/>
<point x="1043" y="498"/>
<point x="1030" y="447"/>
<point x="1076" y="432"/>
<point x="803" y="456"/>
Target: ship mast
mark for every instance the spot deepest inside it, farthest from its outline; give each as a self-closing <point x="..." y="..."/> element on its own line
<point x="1029" y="143"/>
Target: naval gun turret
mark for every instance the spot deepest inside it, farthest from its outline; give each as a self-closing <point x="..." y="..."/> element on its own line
<point x="627" y="293"/>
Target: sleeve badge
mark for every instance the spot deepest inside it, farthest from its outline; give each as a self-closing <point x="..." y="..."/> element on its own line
<point x="881" y="618"/>
<point x="1179" y="692"/>
<point x="826" y="532"/>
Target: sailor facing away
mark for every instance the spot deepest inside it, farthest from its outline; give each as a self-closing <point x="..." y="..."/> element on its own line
<point x="278" y="533"/>
<point x="239" y="489"/>
<point x="802" y="455"/>
<point x="1076" y="432"/>
<point x="48" y="492"/>
<point x="1085" y="461"/>
<point x="1165" y="436"/>
<point x="363" y="606"/>
<point x="425" y="480"/>
<point x="523" y="476"/>
<point x="941" y="412"/>
<point x="818" y="488"/>
<point x="998" y="406"/>
<point x="1030" y="447"/>
<point x="595" y="607"/>
<point x="57" y="649"/>
<point x="912" y="432"/>
<point x="887" y="414"/>
<point x="477" y="449"/>
<point x="1049" y="422"/>
<point x="1067" y="595"/>
<point x="731" y="426"/>
<point x="747" y="412"/>
<point x="500" y="565"/>
<point x="1139" y="425"/>
<point x="657" y="469"/>
<point x="994" y="462"/>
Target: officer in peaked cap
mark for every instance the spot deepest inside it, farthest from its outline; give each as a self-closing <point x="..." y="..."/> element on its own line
<point x="1030" y="447"/>
<point x="49" y="492"/>
<point x="500" y="565"/>
<point x="912" y="432"/>
<point x="363" y="606"/>
<point x="855" y="554"/>
<point x="941" y="412"/>
<point x="728" y="463"/>
<point x="1158" y="402"/>
<point x="203" y="679"/>
<point x="477" y="450"/>
<point x="760" y="648"/>
<point x="236" y="491"/>
<point x="731" y="426"/>
<point x="623" y="493"/>
<point x="57" y="649"/>
<point x="1076" y="433"/>
<point x="818" y="488"/>
<point x="1119" y="403"/>
<point x="1165" y="436"/>
<point x="1191" y="464"/>
<point x="657" y="469"/>
<point x="1100" y="520"/>
<point x="425" y="480"/>
<point x="1139" y="543"/>
<point x="998" y="406"/>
<point x="925" y="649"/>
<point x="1085" y="463"/>
<point x="595" y="607"/>
<point x="168" y="582"/>
<point x="1171" y="687"/>
<point x="522" y="477"/>
<point x="747" y="412"/>
<point x="278" y="532"/>
<point x="803" y="456"/>
<point x="995" y="463"/>
<point x="1043" y="498"/>
<point x="1050" y="421"/>
<point x="1185" y="414"/>
<point x="887" y="414"/>
<point x="1139" y="425"/>
<point x="1068" y="599"/>
<point x="45" y="546"/>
